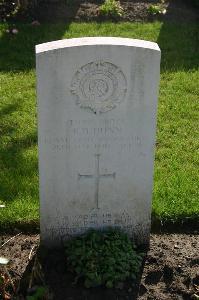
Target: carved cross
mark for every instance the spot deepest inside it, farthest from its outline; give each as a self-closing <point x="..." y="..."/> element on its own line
<point x="97" y="176"/>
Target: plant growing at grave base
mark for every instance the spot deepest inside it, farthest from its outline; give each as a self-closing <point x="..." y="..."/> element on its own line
<point x="111" y="8"/>
<point x="103" y="258"/>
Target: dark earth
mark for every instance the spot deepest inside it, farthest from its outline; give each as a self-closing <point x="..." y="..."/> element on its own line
<point x="170" y="271"/>
<point x="134" y="10"/>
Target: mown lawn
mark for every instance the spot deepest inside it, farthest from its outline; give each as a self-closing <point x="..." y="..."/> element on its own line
<point x="176" y="178"/>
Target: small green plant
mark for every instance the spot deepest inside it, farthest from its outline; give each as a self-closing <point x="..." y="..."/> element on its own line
<point x="156" y="9"/>
<point x="103" y="258"/>
<point x="111" y="8"/>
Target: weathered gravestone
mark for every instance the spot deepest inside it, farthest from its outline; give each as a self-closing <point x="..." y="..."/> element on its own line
<point x="97" y="100"/>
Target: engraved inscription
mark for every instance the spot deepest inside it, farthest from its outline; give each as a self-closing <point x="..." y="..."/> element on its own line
<point x="99" y="86"/>
<point x="97" y="177"/>
<point x="77" y="224"/>
<point x="98" y="142"/>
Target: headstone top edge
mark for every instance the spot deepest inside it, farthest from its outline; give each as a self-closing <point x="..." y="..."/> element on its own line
<point x="92" y="41"/>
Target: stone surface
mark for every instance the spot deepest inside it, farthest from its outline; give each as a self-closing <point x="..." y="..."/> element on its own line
<point x="97" y="101"/>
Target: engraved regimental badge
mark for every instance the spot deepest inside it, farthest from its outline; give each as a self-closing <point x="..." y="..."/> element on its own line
<point x="99" y="86"/>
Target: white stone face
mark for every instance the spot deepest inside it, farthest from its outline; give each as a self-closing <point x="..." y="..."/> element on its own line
<point x="97" y="100"/>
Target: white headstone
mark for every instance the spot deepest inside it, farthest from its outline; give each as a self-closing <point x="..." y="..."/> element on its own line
<point x="97" y="100"/>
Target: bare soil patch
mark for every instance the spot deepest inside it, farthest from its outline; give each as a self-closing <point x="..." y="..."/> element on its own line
<point x="170" y="271"/>
<point x="134" y="10"/>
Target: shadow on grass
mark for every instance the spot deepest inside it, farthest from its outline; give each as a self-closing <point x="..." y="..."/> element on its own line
<point x="179" y="42"/>
<point x="17" y="52"/>
<point x="16" y="168"/>
<point x="181" y="224"/>
<point x="12" y="157"/>
<point x="8" y="109"/>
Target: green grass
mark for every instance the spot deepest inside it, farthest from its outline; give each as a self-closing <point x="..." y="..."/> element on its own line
<point x="175" y="181"/>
